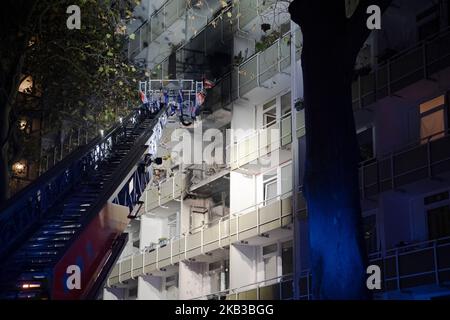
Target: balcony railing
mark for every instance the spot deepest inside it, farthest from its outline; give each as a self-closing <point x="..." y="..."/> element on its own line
<point x="169" y="189"/>
<point x="405" y="68"/>
<point x="248" y="10"/>
<point x="250" y="222"/>
<point x="269" y="138"/>
<point x="156" y="25"/>
<point x="278" y="288"/>
<point x="426" y="159"/>
<point x="265" y="64"/>
<point x="420" y="264"/>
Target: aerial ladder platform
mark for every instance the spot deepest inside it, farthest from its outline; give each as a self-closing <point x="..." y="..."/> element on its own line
<point x="61" y="236"/>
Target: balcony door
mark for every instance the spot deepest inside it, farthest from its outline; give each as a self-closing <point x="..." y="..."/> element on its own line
<point x="439" y="222"/>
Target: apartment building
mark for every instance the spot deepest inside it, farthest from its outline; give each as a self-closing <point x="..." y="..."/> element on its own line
<point x="238" y="228"/>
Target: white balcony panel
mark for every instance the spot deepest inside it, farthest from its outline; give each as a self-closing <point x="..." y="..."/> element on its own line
<point x="213" y="237"/>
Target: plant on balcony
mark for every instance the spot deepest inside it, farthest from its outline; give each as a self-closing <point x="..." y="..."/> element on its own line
<point x="238" y="59"/>
<point x="267" y="40"/>
<point x="162" y="241"/>
<point x="331" y="43"/>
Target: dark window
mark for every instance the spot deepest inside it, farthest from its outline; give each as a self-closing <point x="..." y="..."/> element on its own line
<point x="436" y="198"/>
<point x="439" y="222"/>
<point x="428" y="22"/>
<point x="287" y="262"/>
<point x="365" y="140"/>
<point x="270" y="249"/>
<point x="132" y="293"/>
<point x="370" y="233"/>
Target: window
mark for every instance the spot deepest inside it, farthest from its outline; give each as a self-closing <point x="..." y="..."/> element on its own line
<point x="439" y="222"/>
<point x="286" y="104"/>
<point x="26" y="86"/>
<point x="172" y="223"/>
<point x="438" y="197"/>
<point x="287" y="258"/>
<point x="270" y="261"/>
<point x="132" y="292"/>
<point x="366" y="145"/>
<point x="432" y="119"/>
<point x="286" y="179"/>
<point x="270" y="187"/>
<point x="269" y="114"/>
<point x="219" y="275"/>
<point x="171" y="281"/>
<point x="428" y="22"/>
<point x="370" y="233"/>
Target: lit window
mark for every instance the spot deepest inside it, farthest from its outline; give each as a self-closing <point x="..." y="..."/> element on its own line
<point x="27" y="85"/>
<point x="432" y="119"/>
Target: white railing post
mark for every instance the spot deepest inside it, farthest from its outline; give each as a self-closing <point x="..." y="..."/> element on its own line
<point x="397" y="269"/>
<point x="173" y="187"/>
<point x="237" y="227"/>
<point x="257" y="69"/>
<point x="143" y="263"/>
<point x="279" y="54"/>
<point x="157" y="258"/>
<point x="171" y="252"/>
<point x="257" y="220"/>
<point x="202" y="249"/>
<point x="436" y="266"/>
<point x="185" y="245"/>
<point x="120" y="270"/>
<point x="220" y="233"/>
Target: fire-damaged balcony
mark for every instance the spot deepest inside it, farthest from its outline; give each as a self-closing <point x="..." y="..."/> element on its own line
<point x="268" y="72"/>
<point x="252" y="13"/>
<point x="175" y="22"/>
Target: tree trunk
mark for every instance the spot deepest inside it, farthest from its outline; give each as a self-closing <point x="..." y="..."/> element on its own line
<point x="4" y="168"/>
<point x="338" y="255"/>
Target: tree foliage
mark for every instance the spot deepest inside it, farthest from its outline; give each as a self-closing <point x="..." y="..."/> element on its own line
<point x="82" y="74"/>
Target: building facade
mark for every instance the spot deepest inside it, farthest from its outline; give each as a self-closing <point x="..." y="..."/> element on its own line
<point x="224" y="218"/>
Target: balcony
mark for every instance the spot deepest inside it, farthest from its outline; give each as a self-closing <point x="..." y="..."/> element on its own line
<point x="243" y="225"/>
<point x="249" y="12"/>
<point x="266" y="140"/>
<point x="256" y="71"/>
<point x="159" y="22"/>
<point x="406" y="68"/>
<point x="426" y="159"/>
<point x="165" y="191"/>
<point x="175" y="22"/>
<point x="279" y="288"/>
<point x="403" y="268"/>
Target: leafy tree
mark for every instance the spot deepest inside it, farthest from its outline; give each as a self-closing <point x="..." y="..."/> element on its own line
<point x="332" y="41"/>
<point x="82" y="74"/>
